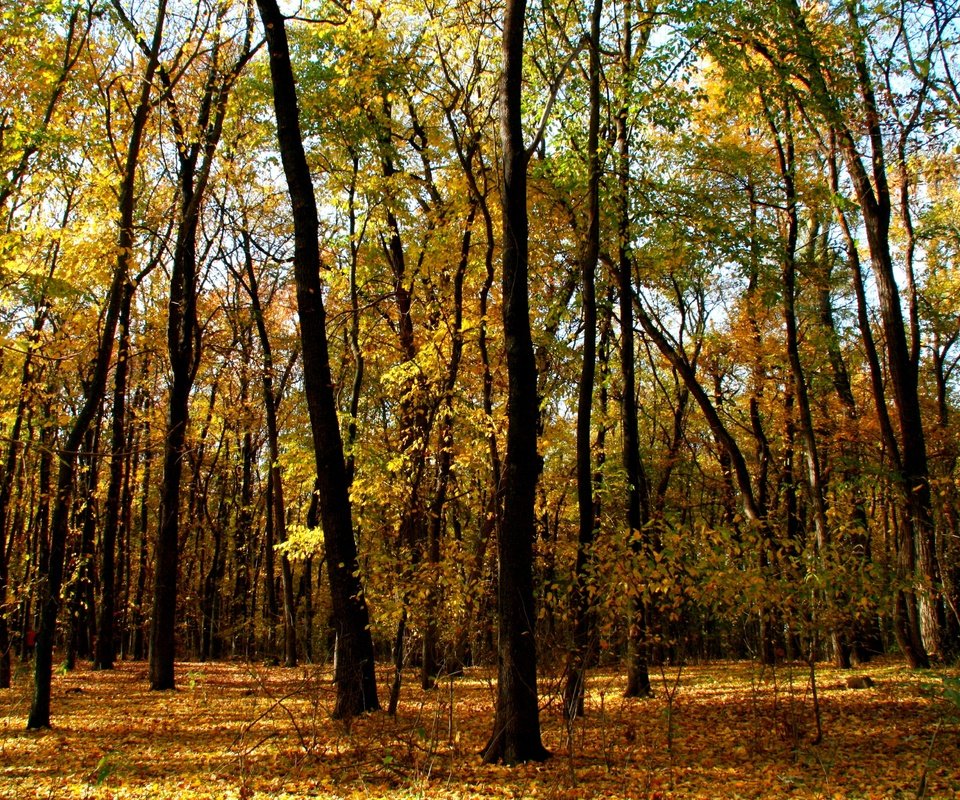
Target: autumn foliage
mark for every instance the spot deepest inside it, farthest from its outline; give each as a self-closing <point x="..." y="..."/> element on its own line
<point x="544" y="346"/>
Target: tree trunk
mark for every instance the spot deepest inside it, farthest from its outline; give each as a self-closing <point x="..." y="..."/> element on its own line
<point x="516" y="729"/>
<point x="53" y="573"/>
<point x="182" y="334"/>
<point x="80" y="605"/>
<point x="581" y="605"/>
<point x="106" y="647"/>
<point x="8" y="478"/>
<point x="874" y="201"/>
<point x="354" y="671"/>
<point x="275" y="474"/>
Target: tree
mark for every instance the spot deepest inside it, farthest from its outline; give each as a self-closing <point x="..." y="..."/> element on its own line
<point x="355" y="678"/>
<point x="194" y="163"/>
<point x="43" y="666"/>
<point x="583" y="628"/>
<point x="516" y="727"/>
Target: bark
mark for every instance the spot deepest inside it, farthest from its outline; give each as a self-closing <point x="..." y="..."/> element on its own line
<point x="194" y="160"/>
<point x="52" y="579"/>
<point x="638" y="490"/>
<point x="782" y="134"/>
<point x="354" y="671"/>
<point x="8" y="478"/>
<point x="138" y="644"/>
<point x="873" y="195"/>
<point x="80" y="601"/>
<point x="106" y="647"/>
<point x="270" y="403"/>
<point x="182" y="333"/>
<point x="445" y="458"/>
<point x="516" y="729"/>
<point x="241" y="612"/>
<point x="415" y="421"/>
<point x="581" y="607"/>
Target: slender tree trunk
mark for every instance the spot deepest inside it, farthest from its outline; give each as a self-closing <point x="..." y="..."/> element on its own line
<point x="638" y="493"/>
<point x="138" y="643"/>
<point x="354" y="671"/>
<point x="80" y="605"/>
<point x="240" y="611"/>
<point x="8" y="478"/>
<point x="445" y="456"/>
<point x="874" y="201"/>
<point x="53" y="573"/>
<point x="195" y="154"/>
<point x="783" y="142"/>
<point x="106" y="647"/>
<point x="581" y="606"/>
<point x="516" y="728"/>
<point x="276" y="476"/>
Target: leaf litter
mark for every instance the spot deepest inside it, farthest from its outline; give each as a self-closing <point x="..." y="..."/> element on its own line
<point x="247" y="732"/>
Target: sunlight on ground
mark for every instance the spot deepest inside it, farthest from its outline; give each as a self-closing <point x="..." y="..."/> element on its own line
<point x="719" y="730"/>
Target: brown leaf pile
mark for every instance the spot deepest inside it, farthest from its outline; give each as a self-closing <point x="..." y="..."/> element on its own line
<point x="719" y="730"/>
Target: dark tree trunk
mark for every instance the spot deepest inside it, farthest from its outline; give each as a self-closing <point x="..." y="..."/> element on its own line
<point x="211" y="643"/>
<point x="415" y="422"/>
<point x="271" y="606"/>
<point x="874" y="200"/>
<point x="80" y="619"/>
<point x="105" y="652"/>
<point x="52" y="579"/>
<point x="275" y="475"/>
<point x="241" y="611"/>
<point x="305" y="593"/>
<point x="638" y="493"/>
<point x="182" y="333"/>
<point x="581" y="605"/>
<point x="445" y="458"/>
<point x="354" y="672"/>
<point x="194" y="159"/>
<point x="138" y="643"/>
<point x="782" y="134"/>
<point x="124" y="568"/>
<point x="516" y="728"/>
<point x="8" y="479"/>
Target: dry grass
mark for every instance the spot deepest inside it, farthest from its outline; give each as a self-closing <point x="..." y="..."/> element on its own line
<point x="719" y="730"/>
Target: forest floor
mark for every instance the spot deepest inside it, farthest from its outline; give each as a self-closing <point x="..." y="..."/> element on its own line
<point x="719" y="730"/>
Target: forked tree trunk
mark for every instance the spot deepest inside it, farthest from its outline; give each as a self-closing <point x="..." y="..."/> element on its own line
<point x="638" y="493"/>
<point x="105" y="651"/>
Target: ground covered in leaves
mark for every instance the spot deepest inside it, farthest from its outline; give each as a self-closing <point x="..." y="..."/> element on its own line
<point x="242" y="731"/>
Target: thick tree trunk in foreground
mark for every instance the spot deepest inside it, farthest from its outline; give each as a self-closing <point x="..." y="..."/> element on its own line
<point x="516" y="729"/>
<point x="354" y="673"/>
<point x="181" y="336"/>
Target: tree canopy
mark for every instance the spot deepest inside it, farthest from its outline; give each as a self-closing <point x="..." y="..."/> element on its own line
<point x="626" y="332"/>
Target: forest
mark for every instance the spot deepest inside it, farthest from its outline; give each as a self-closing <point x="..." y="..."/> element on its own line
<point x="408" y="338"/>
